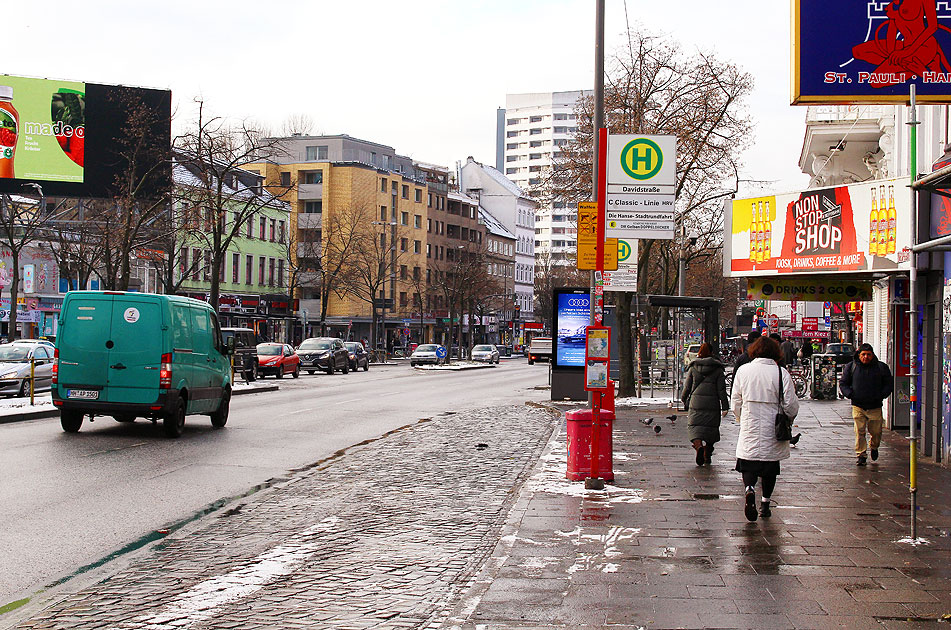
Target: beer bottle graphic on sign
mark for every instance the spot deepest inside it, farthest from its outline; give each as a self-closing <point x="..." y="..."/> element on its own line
<point x="882" y="223"/>
<point x="753" y="233"/>
<point x="873" y="225"/>
<point x="767" y="234"/>
<point x="892" y="221"/>
<point x="760" y="234"/>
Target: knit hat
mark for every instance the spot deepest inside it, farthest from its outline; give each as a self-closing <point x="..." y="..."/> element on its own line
<point x="866" y="347"/>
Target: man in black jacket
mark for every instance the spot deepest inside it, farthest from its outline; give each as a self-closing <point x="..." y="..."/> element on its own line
<point x="867" y="382"/>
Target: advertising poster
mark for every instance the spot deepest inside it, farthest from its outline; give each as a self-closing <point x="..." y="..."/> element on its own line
<point x="845" y="229"/>
<point x="808" y="290"/>
<point x="870" y="52"/>
<point x="572" y="318"/>
<point x="42" y="129"/>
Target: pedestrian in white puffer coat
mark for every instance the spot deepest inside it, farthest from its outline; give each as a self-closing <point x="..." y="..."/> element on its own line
<point x="755" y="402"/>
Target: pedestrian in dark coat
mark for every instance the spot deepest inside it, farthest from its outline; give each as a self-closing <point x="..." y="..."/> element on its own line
<point x="867" y="382"/>
<point x="744" y="357"/>
<point x="704" y="396"/>
<point x="789" y="353"/>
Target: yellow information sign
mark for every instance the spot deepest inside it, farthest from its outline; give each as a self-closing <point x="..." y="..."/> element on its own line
<point x="588" y="240"/>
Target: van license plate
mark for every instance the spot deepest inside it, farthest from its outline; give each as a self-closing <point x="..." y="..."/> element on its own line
<point x="83" y="393"/>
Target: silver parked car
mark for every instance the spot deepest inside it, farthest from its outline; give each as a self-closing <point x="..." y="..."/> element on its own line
<point x="486" y="353"/>
<point x="428" y="353"/>
<point x="15" y="367"/>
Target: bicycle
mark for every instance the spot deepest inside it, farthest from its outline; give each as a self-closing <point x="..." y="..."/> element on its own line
<point x="800" y="379"/>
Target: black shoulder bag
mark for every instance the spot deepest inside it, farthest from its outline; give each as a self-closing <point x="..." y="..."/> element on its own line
<point x="783" y="423"/>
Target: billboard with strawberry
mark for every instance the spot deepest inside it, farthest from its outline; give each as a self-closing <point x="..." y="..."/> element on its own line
<point x="43" y="135"/>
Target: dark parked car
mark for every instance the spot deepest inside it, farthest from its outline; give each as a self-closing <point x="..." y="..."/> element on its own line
<point x="843" y="352"/>
<point x="245" y="351"/>
<point x="358" y="356"/>
<point x="278" y="359"/>
<point x="324" y="353"/>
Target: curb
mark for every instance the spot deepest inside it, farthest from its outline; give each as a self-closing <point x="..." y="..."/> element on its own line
<point x="54" y="413"/>
<point x="457" y="368"/>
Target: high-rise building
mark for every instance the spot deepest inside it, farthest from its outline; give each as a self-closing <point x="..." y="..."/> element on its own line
<point x="531" y="128"/>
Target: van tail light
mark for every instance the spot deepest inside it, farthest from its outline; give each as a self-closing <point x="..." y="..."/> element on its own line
<point x="55" y="366"/>
<point x="165" y="373"/>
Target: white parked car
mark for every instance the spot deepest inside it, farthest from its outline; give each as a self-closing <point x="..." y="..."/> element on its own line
<point x="428" y="353"/>
<point x="486" y="353"/>
<point x="691" y="354"/>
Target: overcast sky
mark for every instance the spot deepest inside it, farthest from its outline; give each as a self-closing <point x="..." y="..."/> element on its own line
<point x="423" y="76"/>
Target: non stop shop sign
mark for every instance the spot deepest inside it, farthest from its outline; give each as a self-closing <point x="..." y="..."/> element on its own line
<point x="845" y="229"/>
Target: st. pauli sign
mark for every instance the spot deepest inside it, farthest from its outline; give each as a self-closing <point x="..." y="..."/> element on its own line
<point x="870" y="51"/>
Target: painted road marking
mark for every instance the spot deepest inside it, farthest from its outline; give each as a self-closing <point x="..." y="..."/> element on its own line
<point x="202" y="601"/>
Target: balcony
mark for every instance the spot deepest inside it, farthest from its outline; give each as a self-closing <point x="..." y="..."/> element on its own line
<point x="312" y="221"/>
<point x="846" y="144"/>
<point x="310" y="192"/>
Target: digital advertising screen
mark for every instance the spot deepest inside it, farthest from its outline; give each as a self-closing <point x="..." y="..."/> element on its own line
<point x="42" y="129"/>
<point x="571" y="317"/>
<point x="79" y="139"/>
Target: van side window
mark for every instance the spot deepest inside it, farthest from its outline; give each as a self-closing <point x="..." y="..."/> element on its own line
<point x="201" y="331"/>
<point x="219" y="342"/>
<point x="181" y="328"/>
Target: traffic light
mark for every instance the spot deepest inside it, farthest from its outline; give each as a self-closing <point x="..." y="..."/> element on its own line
<point x="518" y="311"/>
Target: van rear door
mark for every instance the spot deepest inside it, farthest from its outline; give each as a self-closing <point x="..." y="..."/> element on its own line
<point x="85" y="325"/>
<point x="136" y="354"/>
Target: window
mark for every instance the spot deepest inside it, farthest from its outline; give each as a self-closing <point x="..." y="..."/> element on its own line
<point x="273" y="232"/>
<point x="318" y="152"/>
<point x="248" y="268"/>
<point x="394" y="186"/>
<point x="535" y="119"/>
<point x="206" y="272"/>
<point x="511" y="134"/>
<point x="285" y="178"/>
<point x="281" y="231"/>
<point x="250" y="233"/>
<point x="235" y="268"/>
<point x="417" y="221"/>
<point x="312" y="177"/>
<point x="262" y="261"/>
<point x="403" y="299"/>
<point x="429" y="225"/>
<point x="535" y="132"/>
<point x="511" y="171"/>
<point x="429" y="250"/>
<point x="404" y="218"/>
<point x="417" y="247"/>
<point x="404" y="272"/>
<point x="511" y="158"/>
<point x="561" y="116"/>
<point x="419" y="195"/>
<point x="430" y="200"/>
<point x="561" y="129"/>
<point x="270" y="272"/>
<point x="403" y="244"/>
<point x="511" y="145"/>
<point x="535" y="156"/>
<point x="416" y="274"/>
<point x="511" y="121"/>
<point x="280" y="272"/>
<point x="262" y="223"/>
<point x="382" y="184"/>
<point x="405" y="191"/>
<point x="382" y="213"/>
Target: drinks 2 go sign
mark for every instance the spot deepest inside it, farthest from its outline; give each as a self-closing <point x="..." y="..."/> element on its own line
<point x="856" y="228"/>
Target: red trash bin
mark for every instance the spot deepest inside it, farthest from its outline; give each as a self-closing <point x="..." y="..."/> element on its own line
<point x="579" y="445"/>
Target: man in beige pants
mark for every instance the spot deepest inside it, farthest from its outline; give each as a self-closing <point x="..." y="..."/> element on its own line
<point x="867" y="382"/>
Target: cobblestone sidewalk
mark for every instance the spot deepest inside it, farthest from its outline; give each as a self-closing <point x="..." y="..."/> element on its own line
<point x="384" y="536"/>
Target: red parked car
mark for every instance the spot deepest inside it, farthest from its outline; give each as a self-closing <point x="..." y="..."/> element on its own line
<point x="277" y="359"/>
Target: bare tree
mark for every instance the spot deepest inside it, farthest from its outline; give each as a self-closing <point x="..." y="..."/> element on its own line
<point x="21" y="222"/>
<point x="550" y="275"/>
<point x="73" y="241"/>
<point x="372" y="261"/>
<point x="140" y="193"/>
<point x="653" y="87"/>
<point x="298" y="124"/>
<point x="224" y="196"/>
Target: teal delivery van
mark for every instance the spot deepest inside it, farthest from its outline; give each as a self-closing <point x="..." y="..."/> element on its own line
<point x="130" y="355"/>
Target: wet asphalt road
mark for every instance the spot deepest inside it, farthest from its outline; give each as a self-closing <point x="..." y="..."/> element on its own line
<point x="71" y="500"/>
